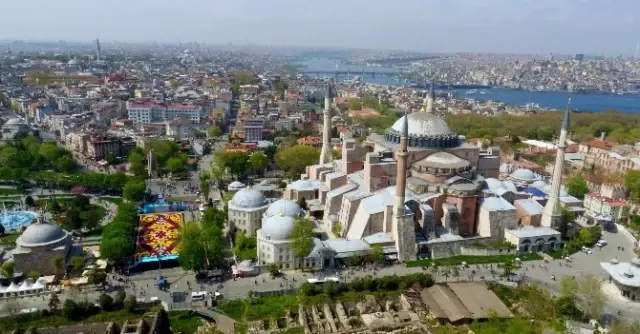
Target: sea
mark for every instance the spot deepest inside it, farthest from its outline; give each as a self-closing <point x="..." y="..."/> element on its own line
<point x="585" y="102"/>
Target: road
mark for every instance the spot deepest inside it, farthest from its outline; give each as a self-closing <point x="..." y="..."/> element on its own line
<point x="583" y="264"/>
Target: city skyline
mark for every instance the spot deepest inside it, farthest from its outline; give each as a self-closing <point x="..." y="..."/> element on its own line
<point x="501" y="26"/>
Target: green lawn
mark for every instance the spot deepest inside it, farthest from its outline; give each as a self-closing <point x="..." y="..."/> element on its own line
<point x="456" y="260"/>
<point x="113" y="199"/>
<point x="10" y="191"/>
<point x="9" y="239"/>
<point x="36" y="320"/>
<point x="184" y="322"/>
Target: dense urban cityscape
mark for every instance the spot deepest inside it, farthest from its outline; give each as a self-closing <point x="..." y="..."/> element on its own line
<point x="200" y="188"/>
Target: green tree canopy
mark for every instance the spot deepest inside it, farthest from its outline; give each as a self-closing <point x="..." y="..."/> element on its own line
<point x="295" y="159"/>
<point x="258" y="160"/>
<point x="244" y="78"/>
<point x="214" y="131"/>
<point x="236" y="162"/>
<point x="632" y="183"/>
<point x="134" y="190"/>
<point x="302" y="238"/>
<point x="577" y="186"/>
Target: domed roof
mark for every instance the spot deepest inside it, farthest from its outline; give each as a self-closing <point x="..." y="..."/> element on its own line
<point x="278" y="227"/>
<point x="423" y="124"/>
<point x="285" y="207"/>
<point x="235" y="185"/>
<point x="443" y="160"/>
<point x="539" y="184"/>
<point x="248" y="198"/>
<point x="524" y="175"/>
<point x="41" y="234"/>
<point x="73" y="62"/>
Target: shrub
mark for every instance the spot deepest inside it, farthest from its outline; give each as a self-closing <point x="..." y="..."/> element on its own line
<point x="130" y="303"/>
<point x="106" y="302"/>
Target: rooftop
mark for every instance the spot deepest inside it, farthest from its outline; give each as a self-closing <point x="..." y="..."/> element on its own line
<point x="531" y="232"/>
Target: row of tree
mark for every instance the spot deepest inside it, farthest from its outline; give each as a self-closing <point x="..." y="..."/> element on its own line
<point x="118" y="237"/>
<point x="32" y="155"/>
<point x="202" y="244"/>
<point x="367" y="283"/>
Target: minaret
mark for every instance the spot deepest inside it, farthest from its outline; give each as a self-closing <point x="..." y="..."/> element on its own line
<point x="552" y="213"/>
<point x="431" y="98"/>
<point x="325" y="154"/>
<point x="98" y="49"/>
<point x="403" y="226"/>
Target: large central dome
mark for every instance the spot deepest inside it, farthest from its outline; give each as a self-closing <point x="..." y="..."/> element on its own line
<point x="423" y="124"/>
<point x="425" y="130"/>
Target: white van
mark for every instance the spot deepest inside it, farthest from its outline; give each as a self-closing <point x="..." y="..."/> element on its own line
<point x="198" y="296"/>
<point x="601" y="243"/>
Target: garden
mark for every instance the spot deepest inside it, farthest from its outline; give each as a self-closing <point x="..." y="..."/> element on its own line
<point x="74" y="213"/>
<point x="158" y="235"/>
<point x="470" y="259"/>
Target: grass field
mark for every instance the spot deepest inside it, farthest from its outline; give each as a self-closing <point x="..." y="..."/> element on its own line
<point x="10" y="191"/>
<point x="9" y="239"/>
<point x="456" y="260"/>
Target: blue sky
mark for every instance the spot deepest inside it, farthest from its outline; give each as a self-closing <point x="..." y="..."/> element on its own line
<point x="563" y="26"/>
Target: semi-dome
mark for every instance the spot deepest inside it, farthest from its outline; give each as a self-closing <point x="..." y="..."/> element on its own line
<point x="41" y="234"/>
<point x="283" y="207"/>
<point x="425" y="130"/>
<point x="423" y="124"/>
<point x="523" y="174"/>
<point x="443" y="160"/>
<point x="248" y="198"/>
<point x="278" y="227"/>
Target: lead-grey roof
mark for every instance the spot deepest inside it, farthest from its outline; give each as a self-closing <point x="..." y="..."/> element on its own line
<point x="532" y="232"/>
<point x="497" y="204"/>
<point x="277" y="228"/>
<point x="423" y="124"/>
<point x="285" y="207"/>
<point x="41" y="234"/>
<point x="529" y="205"/>
<point x="248" y="198"/>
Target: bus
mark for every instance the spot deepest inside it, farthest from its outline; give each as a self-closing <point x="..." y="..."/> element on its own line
<point x="322" y="280"/>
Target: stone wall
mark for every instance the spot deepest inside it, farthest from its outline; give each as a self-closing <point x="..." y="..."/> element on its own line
<point x="477" y="251"/>
<point x="440" y="250"/>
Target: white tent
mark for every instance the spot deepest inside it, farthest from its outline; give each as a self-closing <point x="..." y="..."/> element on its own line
<point x="2" y="290"/>
<point x="12" y="289"/>
<point x="26" y="287"/>
<point x="39" y="286"/>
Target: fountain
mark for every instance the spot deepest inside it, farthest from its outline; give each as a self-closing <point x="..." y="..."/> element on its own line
<point x="13" y="220"/>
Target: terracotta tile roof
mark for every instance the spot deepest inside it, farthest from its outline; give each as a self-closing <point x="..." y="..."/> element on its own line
<point x="601" y="144"/>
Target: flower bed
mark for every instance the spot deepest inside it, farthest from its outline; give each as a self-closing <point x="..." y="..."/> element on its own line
<point x="158" y="236"/>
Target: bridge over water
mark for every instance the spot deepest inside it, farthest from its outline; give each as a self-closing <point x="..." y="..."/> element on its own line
<point x="338" y="73"/>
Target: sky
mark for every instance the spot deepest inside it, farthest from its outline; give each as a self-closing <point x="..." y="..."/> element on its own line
<point x="518" y="26"/>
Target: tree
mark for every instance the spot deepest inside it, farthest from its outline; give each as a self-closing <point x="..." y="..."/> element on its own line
<point x="354" y="103"/>
<point x="192" y="250"/>
<point x="81" y="202"/>
<point x="174" y="84"/>
<point x="74" y="219"/>
<point x="258" y="161"/>
<point x="28" y="201"/>
<point x="302" y="238"/>
<point x="65" y="164"/>
<point x="244" y="78"/>
<point x="70" y="309"/>
<point x="8" y="268"/>
<point x="120" y="298"/>
<point x="134" y="190"/>
<point x="577" y="186"/>
<point x="54" y="301"/>
<point x="294" y="160"/>
<point x="593" y="299"/>
<point x="377" y="254"/>
<point x="632" y="183"/>
<point x="130" y="303"/>
<point x="566" y="218"/>
<point x="106" y="302"/>
<point x="111" y="159"/>
<point x="621" y="327"/>
<point x="585" y="237"/>
<point x="175" y="165"/>
<point x="77" y="263"/>
<point x="455" y="272"/>
<point x="58" y="263"/>
<point x="214" y="131"/>
<point x="568" y="286"/>
<point x="236" y="162"/>
<point x="34" y="275"/>
<point x="96" y="276"/>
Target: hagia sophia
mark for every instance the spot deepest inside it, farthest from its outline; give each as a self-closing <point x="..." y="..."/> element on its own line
<point x="417" y="190"/>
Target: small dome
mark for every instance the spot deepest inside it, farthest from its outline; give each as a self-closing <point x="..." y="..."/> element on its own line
<point x="524" y="175"/>
<point x="285" y="207"/>
<point x="547" y="189"/>
<point x="248" y="198"/>
<point x="236" y="185"/>
<point x="41" y="234"/>
<point x="423" y="124"/>
<point x="73" y="62"/>
<point x="539" y="184"/>
<point x="277" y="227"/>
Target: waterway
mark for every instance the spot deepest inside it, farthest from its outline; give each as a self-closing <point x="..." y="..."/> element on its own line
<point x="591" y="102"/>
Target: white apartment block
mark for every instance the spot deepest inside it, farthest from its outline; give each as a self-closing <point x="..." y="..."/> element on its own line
<point x="144" y="113"/>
